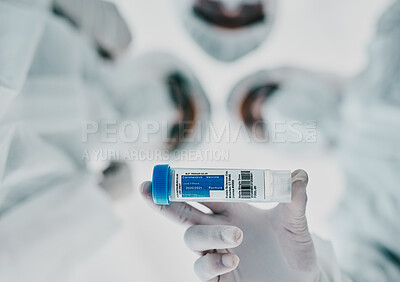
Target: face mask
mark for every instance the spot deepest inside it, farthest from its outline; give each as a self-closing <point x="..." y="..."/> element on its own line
<point x="227" y="30"/>
<point x="295" y="107"/>
<point x="162" y="88"/>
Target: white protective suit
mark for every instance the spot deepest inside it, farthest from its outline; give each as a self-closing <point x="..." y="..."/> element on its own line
<point x="52" y="212"/>
<point x="52" y="83"/>
<point x="365" y="225"/>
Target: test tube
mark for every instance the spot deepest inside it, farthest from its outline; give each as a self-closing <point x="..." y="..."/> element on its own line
<point x="220" y="185"/>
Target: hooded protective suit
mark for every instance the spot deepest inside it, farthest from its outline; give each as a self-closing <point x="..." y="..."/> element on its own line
<point x="52" y="213"/>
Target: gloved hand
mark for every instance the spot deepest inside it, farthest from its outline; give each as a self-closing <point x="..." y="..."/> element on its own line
<point x="272" y="245"/>
<point x="99" y="19"/>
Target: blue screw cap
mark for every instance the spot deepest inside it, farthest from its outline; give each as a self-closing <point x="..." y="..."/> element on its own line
<point x="160" y="184"/>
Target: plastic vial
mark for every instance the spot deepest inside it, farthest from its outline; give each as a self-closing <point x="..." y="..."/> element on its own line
<point x="220" y="185"/>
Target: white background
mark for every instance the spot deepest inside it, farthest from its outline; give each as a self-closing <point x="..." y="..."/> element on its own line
<point x="326" y="35"/>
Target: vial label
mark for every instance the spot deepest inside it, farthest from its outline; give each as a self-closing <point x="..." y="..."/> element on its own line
<point x="219" y="184"/>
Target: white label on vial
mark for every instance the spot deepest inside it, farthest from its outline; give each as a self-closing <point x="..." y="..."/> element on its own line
<point x="219" y="184"/>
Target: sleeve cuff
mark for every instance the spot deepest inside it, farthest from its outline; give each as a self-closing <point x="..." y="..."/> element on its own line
<point x="327" y="262"/>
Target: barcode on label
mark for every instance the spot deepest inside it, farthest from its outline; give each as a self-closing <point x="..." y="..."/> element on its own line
<point x="245" y="185"/>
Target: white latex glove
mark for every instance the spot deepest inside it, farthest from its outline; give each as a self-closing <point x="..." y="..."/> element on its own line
<point x="99" y="19"/>
<point x="272" y="245"/>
